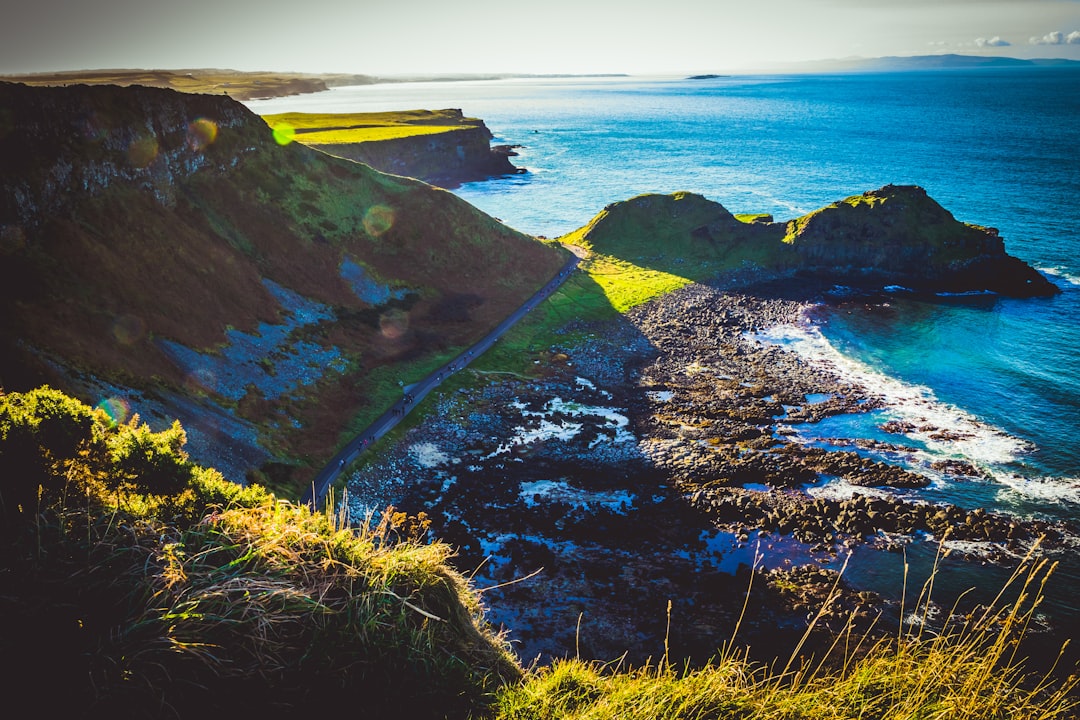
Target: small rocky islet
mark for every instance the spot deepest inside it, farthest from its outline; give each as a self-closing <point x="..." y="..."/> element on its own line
<point x="656" y="461"/>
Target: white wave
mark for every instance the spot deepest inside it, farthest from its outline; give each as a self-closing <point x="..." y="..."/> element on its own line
<point x="428" y="455"/>
<point x="1062" y="274"/>
<point x="944" y="429"/>
<point x="966" y="293"/>
<point x="1045" y="489"/>
<point x="839" y="489"/>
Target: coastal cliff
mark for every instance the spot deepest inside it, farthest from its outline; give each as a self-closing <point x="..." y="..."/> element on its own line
<point x="900" y="233"/>
<point x="446" y="160"/>
<point x="441" y="147"/>
<point x="896" y="235"/>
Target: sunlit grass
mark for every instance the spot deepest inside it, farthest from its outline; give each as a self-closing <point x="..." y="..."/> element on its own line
<point x="626" y="285"/>
<point x="159" y="602"/>
<point x="370" y="134"/>
<point x="345" y="128"/>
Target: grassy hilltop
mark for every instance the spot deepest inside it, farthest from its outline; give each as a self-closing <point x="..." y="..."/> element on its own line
<point x="343" y="128"/>
<point x="896" y="234"/>
<point x="134" y="583"/>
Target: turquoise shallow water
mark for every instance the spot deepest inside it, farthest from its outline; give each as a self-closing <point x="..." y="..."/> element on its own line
<point x="998" y="148"/>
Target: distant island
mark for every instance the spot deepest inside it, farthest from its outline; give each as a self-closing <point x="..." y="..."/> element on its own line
<point x="928" y="62"/>
<point x="708" y="76"/>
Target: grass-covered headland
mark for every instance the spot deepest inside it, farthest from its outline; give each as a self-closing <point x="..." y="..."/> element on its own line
<point x="136" y="584"/>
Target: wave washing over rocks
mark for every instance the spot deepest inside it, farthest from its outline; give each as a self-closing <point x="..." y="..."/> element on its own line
<point x="932" y="437"/>
<point x="661" y="458"/>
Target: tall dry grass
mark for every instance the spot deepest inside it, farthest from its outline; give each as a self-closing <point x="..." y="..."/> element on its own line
<point x="970" y="668"/>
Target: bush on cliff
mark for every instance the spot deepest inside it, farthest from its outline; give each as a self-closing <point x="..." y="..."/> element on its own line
<point x="117" y="597"/>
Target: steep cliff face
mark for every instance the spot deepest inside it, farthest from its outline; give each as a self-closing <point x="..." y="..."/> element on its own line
<point x="896" y="234"/>
<point x="446" y="159"/>
<point x="62" y="147"/>
<point x="162" y="253"/>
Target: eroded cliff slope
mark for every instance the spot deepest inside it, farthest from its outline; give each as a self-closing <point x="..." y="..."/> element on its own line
<point x="161" y="253"/>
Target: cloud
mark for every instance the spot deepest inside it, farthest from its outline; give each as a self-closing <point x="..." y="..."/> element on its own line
<point x="995" y="41"/>
<point x="1057" y="38"/>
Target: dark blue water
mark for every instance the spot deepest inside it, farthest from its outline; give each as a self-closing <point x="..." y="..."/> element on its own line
<point x="997" y="148"/>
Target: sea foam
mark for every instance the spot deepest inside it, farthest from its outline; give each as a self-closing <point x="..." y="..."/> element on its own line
<point x="943" y="429"/>
<point x="1060" y="276"/>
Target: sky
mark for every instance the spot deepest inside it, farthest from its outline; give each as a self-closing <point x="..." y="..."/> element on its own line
<point x="401" y="37"/>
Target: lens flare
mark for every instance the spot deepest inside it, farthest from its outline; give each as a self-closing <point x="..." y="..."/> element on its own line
<point x="92" y="129"/>
<point x="393" y="324"/>
<point x="284" y="133"/>
<point x="128" y="329"/>
<point x="142" y="151"/>
<point x="117" y="409"/>
<point x="201" y="133"/>
<point x="378" y="219"/>
<point x="200" y="380"/>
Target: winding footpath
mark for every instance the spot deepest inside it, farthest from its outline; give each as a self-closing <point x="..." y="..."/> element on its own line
<point x="415" y="393"/>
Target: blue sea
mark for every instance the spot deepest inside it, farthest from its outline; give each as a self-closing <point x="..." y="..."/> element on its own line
<point x="995" y="147"/>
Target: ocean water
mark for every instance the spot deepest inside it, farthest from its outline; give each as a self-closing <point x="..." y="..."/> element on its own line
<point x="995" y="147"/>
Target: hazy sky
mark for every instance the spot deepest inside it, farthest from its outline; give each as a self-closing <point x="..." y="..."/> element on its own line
<point x="540" y="36"/>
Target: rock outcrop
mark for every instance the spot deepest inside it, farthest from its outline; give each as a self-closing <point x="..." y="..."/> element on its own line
<point x="894" y="235"/>
<point x="900" y="233"/>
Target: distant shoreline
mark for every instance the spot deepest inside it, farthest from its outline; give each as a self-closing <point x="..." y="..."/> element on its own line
<point x="243" y="85"/>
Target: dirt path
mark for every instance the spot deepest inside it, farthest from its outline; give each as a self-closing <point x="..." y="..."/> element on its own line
<point x="415" y="393"/>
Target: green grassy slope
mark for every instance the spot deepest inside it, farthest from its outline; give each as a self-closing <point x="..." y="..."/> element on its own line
<point x="139" y="226"/>
<point x="136" y="584"/>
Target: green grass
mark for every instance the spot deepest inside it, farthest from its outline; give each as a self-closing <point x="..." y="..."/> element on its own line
<point x="753" y="217"/>
<point x="971" y="671"/>
<point x="345" y="128"/>
<point x="213" y="596"/>
<point x="626" y="285"/>
<point x="371" y="134"/>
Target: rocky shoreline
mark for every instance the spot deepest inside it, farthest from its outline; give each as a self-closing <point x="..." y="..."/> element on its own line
<point x="656" y="462"/>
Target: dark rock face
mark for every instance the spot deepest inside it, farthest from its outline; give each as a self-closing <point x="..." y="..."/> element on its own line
<point x="60" y="144"/>
<point x="900" y="234"/>
<point x="446" y="159"/>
